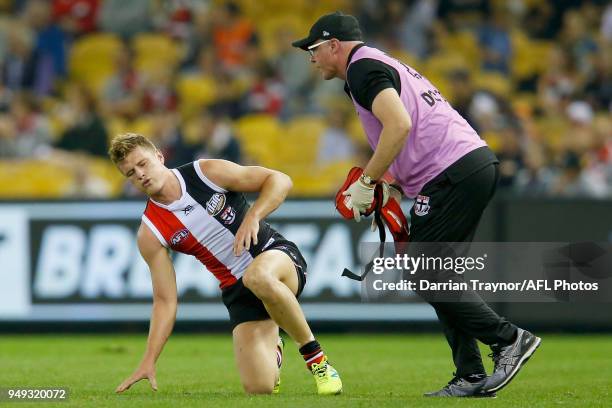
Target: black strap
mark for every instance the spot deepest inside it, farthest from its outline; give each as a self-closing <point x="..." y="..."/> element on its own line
<point x="382" y="235"/>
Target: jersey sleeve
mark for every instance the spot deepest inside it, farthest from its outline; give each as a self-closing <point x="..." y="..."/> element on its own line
<point x="367" y="77"/>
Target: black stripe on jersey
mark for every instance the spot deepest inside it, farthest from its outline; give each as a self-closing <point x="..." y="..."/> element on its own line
<point x="227" y="208"/>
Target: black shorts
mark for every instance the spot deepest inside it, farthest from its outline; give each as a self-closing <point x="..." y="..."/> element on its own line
<point x="449" y="207"/>
<point x="243" y="305"/>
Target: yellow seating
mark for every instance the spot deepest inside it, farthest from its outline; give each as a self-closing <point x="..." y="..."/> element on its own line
<point x="258" y="134"/>
<point x="92" y="59"/>
<point x="142" y="125"/>
<point x="494" y="82"/>
<point x="37" y="179"/>
<point x="530" y="56"/>
<point x="465" y="44"/>
<point x="195" y="92"/>
<point x="153" y="51"/>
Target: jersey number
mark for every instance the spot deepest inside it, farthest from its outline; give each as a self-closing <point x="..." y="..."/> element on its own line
<point x="431" y="96"/>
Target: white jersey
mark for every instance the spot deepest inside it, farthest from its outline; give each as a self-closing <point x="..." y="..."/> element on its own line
<point x="204" y="222"/>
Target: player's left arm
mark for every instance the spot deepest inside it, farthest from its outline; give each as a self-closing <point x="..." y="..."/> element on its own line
<point x="396" y="124"/>
<point x="272" y="186"/>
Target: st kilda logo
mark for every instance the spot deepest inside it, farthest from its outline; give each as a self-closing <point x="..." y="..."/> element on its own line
<point x="228" y="216"/>
<point x="179" y="236"/>
<point x="215" y="204"/>
<point x="421" y="205"/>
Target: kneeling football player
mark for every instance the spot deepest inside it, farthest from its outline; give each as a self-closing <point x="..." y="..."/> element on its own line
<point x="199" y="209"/>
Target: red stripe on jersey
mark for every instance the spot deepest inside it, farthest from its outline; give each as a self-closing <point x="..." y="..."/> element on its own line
<point x="169" y="225"/>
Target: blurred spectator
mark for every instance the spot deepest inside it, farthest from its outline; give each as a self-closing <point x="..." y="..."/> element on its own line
<point x="5" y="98"/>
<point x="216" y="139"/>
<point x="167" y="136"/>
<point x="267" y="92"/>
<point x="18" y="62"/>
<point x="76" y="17"/>
<point x="205" y="63"/>
<point x="233" y="36"/>
<point x="579" y="136"/>
<point x="4" y="30"/>
<point x="551" y="129"/>
<point x="574" y="182"/>
<point x="409" y="23"/>
<point x="158" y="91"/>
<point x="535" y="179"/>
<point x="598" y="84"/>
<point x="230" y="95"/>
<point x="125" y="18"/>
<point x="557" y="83"/>
<point x="606" y="23"/>
<point x="335" y="143"/>
<point x="495" y="43"/>
<point x="462" y="93"/>
<point x="484" y="112"/>
<point x="50" y="46"/>
<point x="463" y="14"/>
<point x="7" y="137"/>
<point x="122" y="95"/>
<point x="176" y="17"/>
<point x="24" y="132"/>
<point x="577" y="39"/>
<point x="293" y="71"/>
<point x="510" y="157"/>
<point x="85" y="131"/>
<point x="371" y="18"/>
<point x="200" y="37"/>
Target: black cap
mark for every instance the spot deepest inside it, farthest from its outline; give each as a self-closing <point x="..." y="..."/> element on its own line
<point x="343" y="27"/>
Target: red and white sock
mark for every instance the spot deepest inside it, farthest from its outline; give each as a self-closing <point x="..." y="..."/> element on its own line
<point x="312" y="353"/>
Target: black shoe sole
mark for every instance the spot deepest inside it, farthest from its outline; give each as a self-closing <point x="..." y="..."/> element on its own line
<point x="483" y="395"/>
<point x="514" y="372"/>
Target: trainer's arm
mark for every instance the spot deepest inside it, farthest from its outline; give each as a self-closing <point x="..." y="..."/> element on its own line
<point x="389" y="109"/>
<point x="163" y="314"/>
<point x="273" y="187"/>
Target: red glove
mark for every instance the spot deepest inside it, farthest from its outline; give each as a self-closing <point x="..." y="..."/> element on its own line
<point x="391" y="212"/>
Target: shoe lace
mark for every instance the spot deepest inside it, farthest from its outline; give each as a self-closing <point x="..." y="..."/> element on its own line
<point x="454" y="381"/>
<point x="499" y="359"/>
<point x="319" y="369"/>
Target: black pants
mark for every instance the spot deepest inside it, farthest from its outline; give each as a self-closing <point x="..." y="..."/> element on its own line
<point x="450" y="212"/>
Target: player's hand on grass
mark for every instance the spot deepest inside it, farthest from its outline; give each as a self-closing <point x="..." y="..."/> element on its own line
<point x="246" y="234"/>
<point x="141" y="373"/>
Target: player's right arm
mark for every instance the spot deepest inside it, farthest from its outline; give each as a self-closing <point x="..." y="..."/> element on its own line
<point x="163" y="315"/>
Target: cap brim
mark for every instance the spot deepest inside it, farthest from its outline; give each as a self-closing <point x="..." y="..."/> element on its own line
<point x="304" y="43"/>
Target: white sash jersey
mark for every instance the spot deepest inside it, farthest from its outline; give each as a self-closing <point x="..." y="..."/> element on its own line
<point x="204" y="222"/>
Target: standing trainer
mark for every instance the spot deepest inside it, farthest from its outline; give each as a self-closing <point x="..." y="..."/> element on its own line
<point x="438" y="159"/>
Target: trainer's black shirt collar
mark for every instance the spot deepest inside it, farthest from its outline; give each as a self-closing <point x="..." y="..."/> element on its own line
<point x="353" y="51"/>
<point x="348" y="61"/>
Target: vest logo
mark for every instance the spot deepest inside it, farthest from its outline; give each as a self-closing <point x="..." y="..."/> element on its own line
<point x="421" y="205"/>
<point x="215" y="204"/>
<point x="228" y="216"/>
<point x="187" y="210"/>
<point x="179" y="236"/>
<point x="270" y="242"/>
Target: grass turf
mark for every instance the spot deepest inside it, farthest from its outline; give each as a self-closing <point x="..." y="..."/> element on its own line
<point x="377" y="371"/>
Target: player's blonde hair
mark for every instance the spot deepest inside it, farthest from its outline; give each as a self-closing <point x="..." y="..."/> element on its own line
<point x="124" y="144"/>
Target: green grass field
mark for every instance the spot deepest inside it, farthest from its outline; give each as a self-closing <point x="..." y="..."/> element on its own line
<point x="377" y="371"/>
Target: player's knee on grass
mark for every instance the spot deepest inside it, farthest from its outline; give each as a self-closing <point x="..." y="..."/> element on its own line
<point x="258" y="387"/>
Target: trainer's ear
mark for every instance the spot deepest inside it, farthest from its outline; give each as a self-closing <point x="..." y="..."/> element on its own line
<point x="334" y="45"/>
